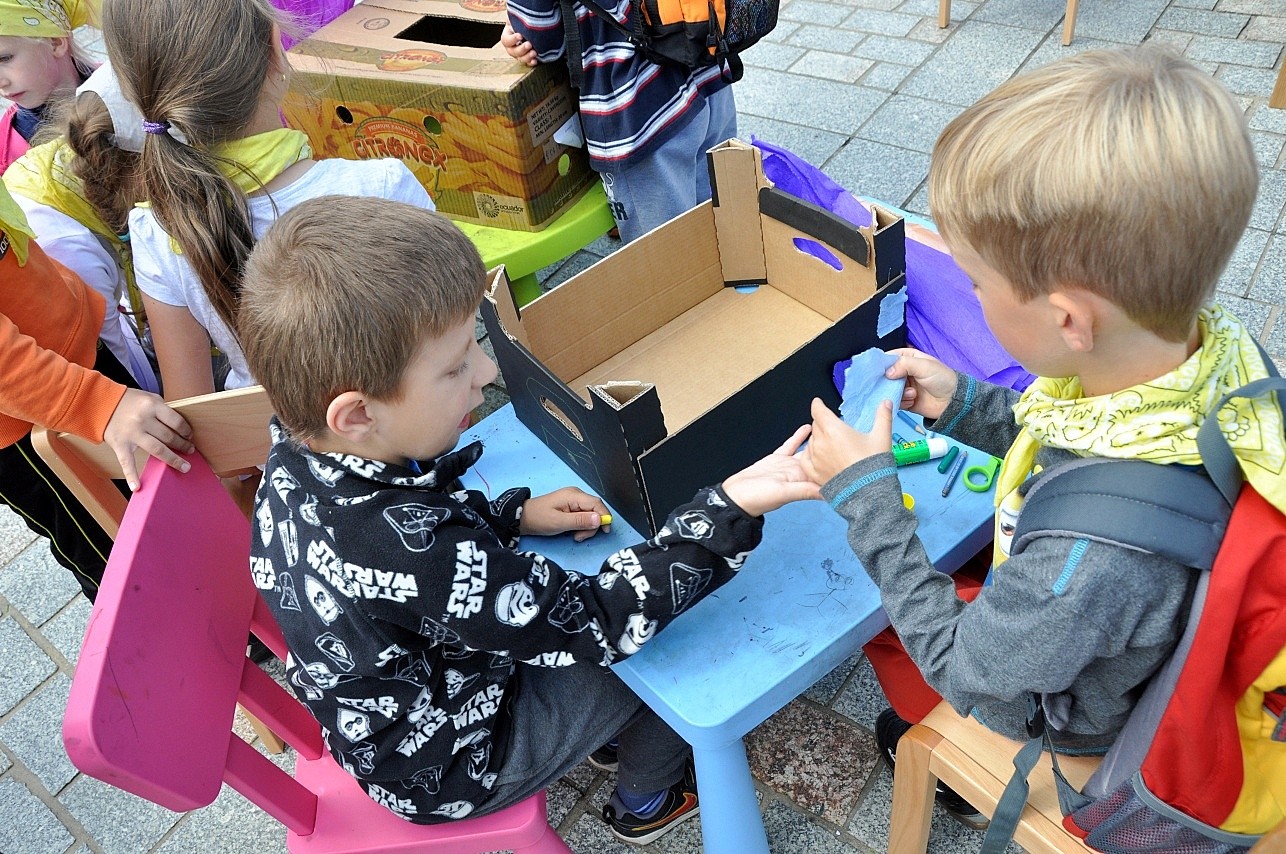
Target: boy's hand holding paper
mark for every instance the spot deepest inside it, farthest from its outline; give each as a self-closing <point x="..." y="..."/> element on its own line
<point x="864" y="426"/>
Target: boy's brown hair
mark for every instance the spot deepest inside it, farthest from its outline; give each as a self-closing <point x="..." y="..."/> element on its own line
<point x="340" y="294"/>
<point x="1127" y="173"/>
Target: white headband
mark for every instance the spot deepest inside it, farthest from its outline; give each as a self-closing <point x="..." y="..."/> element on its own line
<point x="127" y="119"/>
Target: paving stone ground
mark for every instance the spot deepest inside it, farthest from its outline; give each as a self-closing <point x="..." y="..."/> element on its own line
<point x="861" y="88"/>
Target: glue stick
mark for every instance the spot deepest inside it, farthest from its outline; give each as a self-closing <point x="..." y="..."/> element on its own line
<point x="905" y="453"/>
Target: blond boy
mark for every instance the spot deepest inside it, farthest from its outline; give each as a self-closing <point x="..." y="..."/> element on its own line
<point x="453" y="675"/>
<point x="1094" y="203"/>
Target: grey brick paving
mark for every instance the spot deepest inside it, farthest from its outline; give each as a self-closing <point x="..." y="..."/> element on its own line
<point x="29" y="826"/>
<point x="859" y="87"/>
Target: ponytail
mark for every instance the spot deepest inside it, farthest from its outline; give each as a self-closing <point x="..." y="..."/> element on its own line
<point x="196" y="68"/>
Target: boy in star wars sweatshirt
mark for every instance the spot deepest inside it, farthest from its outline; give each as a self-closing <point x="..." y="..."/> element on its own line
<point x="453" y="675"/>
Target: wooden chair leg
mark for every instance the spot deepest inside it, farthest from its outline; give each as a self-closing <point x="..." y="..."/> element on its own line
<point x="913" y="791"/>
<point x="1069" y="22"/>
<point x="271" y="741"/>
<point x="944" y="13"/>
<point x="1278" y="99"/>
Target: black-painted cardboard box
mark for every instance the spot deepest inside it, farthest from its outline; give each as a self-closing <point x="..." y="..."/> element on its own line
<point x="698" y="348"/>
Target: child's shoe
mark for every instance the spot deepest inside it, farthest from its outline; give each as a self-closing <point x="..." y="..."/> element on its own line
<point x="678" y="804"/>
<point x="604" y="758"/>
<point x="889" y="728"/>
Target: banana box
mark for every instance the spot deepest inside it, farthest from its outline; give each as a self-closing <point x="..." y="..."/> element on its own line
<point x="427" y="81"/>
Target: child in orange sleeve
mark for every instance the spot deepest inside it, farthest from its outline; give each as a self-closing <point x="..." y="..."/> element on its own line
<point x="53" y="372"/>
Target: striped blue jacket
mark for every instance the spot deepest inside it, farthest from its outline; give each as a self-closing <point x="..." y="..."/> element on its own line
<point x="628" y="104"/>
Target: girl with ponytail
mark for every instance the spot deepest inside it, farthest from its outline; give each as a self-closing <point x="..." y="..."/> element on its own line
<point x="217" y="167"/>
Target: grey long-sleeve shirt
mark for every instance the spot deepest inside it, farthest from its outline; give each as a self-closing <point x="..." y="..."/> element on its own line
<point x="1085" y="623"/>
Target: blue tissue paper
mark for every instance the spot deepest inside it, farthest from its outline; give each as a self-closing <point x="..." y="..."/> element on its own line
<point x="864" y="387"/>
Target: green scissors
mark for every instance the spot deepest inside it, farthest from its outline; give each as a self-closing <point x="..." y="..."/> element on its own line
<point x="986" y="474"/>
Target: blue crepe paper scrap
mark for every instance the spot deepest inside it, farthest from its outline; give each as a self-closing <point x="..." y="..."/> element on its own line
<point x="865" y="387"/>
<point x="892" y="312"/>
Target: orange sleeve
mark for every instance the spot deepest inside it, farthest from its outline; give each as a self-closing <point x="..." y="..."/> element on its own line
<point x="38" y="386"/>
<point x="49" y="323"/>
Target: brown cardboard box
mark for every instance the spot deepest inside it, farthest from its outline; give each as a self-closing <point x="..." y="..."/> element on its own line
<point x="428" y="82"/>
<point x="654" y="373"/>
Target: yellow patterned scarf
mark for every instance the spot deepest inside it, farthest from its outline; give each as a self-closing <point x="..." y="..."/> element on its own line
<point x="44" y="175"/>
<point x="13" y="223"/>
<point x="44" y="19"/>
<point x="1158" y="420"/>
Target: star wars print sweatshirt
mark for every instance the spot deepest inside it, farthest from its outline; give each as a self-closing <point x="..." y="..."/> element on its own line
<point x="406" y="609"/>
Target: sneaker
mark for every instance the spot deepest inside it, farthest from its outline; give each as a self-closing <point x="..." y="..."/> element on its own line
<point x="679" y="805"/>
<point x="604" y="759"/>
<point x="889" y="728"/>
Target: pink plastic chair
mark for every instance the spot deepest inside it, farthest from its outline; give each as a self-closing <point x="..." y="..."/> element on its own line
<point x="166" y="646"/>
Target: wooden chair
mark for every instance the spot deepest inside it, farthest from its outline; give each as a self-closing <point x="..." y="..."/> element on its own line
<point x="1069" y="19"/>
<point x="1278" y="99"/>
<point x="166" y="647"/>
<point x="977" y="763"/>
<point x="230" y="429"/>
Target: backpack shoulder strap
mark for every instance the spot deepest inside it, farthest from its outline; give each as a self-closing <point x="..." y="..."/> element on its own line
<point x="1216" y="454"/>
<point x="571" y="30"/>
<point x="1173" y="511"/>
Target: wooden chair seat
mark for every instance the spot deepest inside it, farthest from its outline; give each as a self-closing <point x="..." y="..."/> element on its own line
<point x="977" y="763"/>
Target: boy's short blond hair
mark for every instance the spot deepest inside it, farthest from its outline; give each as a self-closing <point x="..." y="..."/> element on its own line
<point x="1127" y="173"/>
<point x="341" y="293"/>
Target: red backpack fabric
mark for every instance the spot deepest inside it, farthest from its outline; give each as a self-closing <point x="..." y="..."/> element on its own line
<point x="1200" y="767"/>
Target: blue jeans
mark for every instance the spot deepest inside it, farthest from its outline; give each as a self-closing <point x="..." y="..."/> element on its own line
<point x="674" y="177"/>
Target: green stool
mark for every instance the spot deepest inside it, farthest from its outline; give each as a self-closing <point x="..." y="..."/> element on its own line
<point x="525" y="252"/>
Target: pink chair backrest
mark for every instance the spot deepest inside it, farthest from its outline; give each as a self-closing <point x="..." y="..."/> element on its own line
<point x="164" y="665"/>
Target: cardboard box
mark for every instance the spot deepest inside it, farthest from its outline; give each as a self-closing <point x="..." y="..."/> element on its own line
<point x="654" y="373"/>
<point x="428" y="82"/>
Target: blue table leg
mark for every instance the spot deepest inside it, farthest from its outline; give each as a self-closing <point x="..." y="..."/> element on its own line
<point x="730" y="820"/>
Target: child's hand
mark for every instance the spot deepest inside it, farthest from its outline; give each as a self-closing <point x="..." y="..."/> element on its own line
<point x="517" y="46"/>
<point x="929" y="383"/>
<point x="836" y="445"/>
<point x="777" y="479"/>
<point x="142" y="420"/>
<point x="566" y="509"/>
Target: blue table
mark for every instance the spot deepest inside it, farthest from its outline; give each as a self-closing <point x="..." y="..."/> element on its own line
<point x="800" y="606"/>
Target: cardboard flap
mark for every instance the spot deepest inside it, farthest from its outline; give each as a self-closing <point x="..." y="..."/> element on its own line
<point x="501" y="297"/>
<point x="888" y="236"/>
<point x="736" y="175"/>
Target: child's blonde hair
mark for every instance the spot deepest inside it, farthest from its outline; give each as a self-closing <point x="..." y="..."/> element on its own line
<point x="201" y="68"/>
<point x="1127" y="173"/>
<point x="340" y="294"/>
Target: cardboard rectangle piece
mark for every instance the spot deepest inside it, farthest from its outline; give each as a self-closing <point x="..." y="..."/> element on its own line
<point x="427" y="81"/>
<point x="698" y="348"/>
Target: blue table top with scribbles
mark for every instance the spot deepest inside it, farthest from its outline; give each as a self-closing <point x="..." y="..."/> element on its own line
<point x="799" y="607"/>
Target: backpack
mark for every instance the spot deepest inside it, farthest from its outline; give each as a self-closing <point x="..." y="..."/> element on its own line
<point x="686" y="33"/>
<point x="1200" y="765"/>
